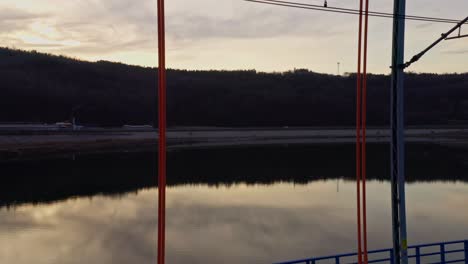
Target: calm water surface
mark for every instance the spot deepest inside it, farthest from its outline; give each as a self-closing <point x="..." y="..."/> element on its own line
<point x="236" y="222"/>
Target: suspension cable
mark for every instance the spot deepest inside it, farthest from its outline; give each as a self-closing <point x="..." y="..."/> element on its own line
<point x="361" y="123"/>
<point x="363" y="126"/>
<point x="353" y="11"/>
<point x="161" y="133"/>
<point x="358" y="135"/>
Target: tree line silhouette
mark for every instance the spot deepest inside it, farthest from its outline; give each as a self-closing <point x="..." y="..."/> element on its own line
<point x="39" y="181"/>
<point x="39" y="87"/>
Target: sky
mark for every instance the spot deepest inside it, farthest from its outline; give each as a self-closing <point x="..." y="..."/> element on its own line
<point x="229" y="34"/>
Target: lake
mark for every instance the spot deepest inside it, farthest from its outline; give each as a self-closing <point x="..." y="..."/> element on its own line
<point x="236" y="205"/>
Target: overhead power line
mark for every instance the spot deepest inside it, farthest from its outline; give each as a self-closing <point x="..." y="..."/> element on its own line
<point x="370" y="12"/>
<point x="459" y="35"/>
<point x="442" y="37"/>
<point x="352" y="11"/>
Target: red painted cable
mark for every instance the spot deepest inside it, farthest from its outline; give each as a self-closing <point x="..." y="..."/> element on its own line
<point x="161" y="133"/>
<point x="358" y="136"/>
<point x="363" y="142"/>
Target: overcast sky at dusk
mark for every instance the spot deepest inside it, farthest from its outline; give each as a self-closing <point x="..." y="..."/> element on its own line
<point x="228" y="34"/>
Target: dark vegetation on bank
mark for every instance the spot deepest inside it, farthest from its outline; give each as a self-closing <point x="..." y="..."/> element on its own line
<point x="44" y="88"/>
<point x="117" y="174"/>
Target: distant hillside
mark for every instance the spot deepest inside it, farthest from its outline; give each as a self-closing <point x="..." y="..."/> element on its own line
<point x="44" y="88"/>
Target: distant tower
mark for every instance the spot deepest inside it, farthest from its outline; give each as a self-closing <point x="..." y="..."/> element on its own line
<point x="338" y="68"/>
<point x="74" y="123"/>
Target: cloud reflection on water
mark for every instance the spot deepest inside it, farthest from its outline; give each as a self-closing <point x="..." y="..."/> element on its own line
<point x="237" y="224"/>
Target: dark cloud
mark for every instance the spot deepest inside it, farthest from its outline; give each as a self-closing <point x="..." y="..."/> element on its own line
<point x="424" y="25"/>
<point x="16" y="19"/>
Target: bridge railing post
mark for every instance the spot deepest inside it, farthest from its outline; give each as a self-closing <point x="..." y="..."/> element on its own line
<point x="466" y="251"/>
<point x="442" y="254"/>
<point x="418" y="255"/>
<point x="392" y="257"/>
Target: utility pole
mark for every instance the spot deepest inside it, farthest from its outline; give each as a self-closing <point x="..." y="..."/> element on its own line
<point x="400" y="240"/>
<point x="397" y="149"/>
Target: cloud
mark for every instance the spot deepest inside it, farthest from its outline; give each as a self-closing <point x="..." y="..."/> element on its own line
<point x="459" y="51"/>
<point x="81" y="27"/>
<point x="11" y="14"/>
<point x="19" y="222"/>
<point x="424" y="25"/>
<point x="16" y="19"/>
<point x="125" y="30"/>
<point x="122" y="25"/>
<point x="251" y="24"/>
<point x="241" y="224"/>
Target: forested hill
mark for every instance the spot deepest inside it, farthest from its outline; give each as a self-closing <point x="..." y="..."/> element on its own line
<point x="44" y="88"/>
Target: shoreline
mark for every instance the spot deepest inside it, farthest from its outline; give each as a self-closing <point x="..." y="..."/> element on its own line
<point x="14" y="145"/>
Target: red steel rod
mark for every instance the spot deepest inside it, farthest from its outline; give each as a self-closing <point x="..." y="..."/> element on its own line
<point x="161" y="133"/>
<point x="358" y="136"/>
<point x="363" y="127"/>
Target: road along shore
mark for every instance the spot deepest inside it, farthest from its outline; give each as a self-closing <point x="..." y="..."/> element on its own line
<point x="15" y="145"/>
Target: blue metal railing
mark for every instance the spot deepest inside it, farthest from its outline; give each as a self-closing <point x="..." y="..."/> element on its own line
<point x="435" y="253"/>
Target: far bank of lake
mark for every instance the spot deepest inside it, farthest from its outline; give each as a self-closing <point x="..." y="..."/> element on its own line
<point x="26" y="144"/>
